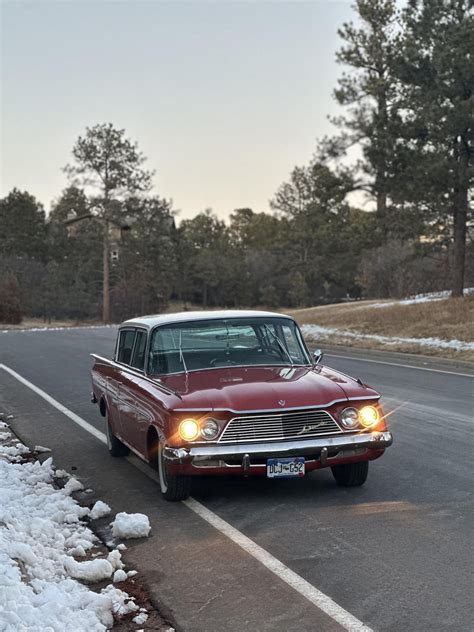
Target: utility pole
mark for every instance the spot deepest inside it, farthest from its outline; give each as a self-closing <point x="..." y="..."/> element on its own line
<point x="106" y="274"/>
<point x="107" y="222"/>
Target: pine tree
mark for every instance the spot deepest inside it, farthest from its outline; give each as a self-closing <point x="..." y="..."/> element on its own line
<point x="436" y="66"/>
<point x="369" y="93"/>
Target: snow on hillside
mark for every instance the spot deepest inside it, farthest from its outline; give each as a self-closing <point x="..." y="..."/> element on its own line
<point x="43" y="538"/>
<point x="316" y="332"/>
<point x="420" y="298"/>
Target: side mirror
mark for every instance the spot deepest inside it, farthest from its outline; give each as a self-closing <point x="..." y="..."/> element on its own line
<point x="318" y="356"/>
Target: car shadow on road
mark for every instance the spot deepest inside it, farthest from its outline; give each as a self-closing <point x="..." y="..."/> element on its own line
<point x="317" y="488"/>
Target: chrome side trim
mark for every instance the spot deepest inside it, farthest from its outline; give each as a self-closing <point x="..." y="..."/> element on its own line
<point x="137" y="373"/>
<point x="372" y="440"/>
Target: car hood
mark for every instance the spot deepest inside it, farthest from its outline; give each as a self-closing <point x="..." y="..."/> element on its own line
<point x="264" y="388"/>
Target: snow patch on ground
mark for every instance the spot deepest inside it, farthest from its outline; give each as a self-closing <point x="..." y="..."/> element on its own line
<point x="13" y="453"/>
<point x="73" y="485"/>
<point x="41" y="529"/>
<point x="41" y="449"/>
<point x="34" y="329"/>
<point x="316" y="332"/>
<point x="120" y="576"/>
<point x="128" y="525"/>
<point x="419" y="298"/>
<point x="140" y="619"/>
<point x="90" y="570"/>
<point x="99" y="510"/>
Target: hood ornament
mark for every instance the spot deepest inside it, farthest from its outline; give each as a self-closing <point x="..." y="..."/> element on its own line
<point x="282" y="402"/>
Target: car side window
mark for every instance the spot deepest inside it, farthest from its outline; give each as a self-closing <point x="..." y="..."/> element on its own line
<point x="125" y="346"/>
<point x="138" y="360"/>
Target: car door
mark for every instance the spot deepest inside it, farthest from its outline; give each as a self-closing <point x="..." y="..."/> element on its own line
<point x="135" y="411"/>
<point x="121" y="383"/>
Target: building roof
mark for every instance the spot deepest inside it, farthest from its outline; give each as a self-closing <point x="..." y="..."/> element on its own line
<point x="182" y="317"/>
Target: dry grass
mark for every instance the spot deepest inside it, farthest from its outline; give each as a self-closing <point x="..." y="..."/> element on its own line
<point x="449" y="319"/>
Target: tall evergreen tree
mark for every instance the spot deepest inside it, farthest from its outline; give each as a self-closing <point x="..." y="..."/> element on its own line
<point x="436" y="66"/>
<point x="106" y="160"/>
<point x="369" y="92"/>
<point x="22" y="226"/>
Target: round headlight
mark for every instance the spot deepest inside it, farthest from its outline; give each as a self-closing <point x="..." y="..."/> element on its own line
<point x="368" y="416"/>
<point x="188" y="429"/>
<point x="209" y="429"/>
<point x="349" y="418"/>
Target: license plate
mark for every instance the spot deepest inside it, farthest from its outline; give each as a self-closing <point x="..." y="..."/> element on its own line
<point x="285" y="468"/>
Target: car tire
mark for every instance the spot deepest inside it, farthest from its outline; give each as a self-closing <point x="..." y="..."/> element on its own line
<point x="351" y="474"/>
<point x="114" y="445"/>
<point x="173" y="487"/>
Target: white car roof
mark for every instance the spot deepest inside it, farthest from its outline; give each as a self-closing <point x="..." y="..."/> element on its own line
<point x="182" y="317"/>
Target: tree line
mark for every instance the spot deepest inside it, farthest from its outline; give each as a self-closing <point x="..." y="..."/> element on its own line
<point x="383" y="208"/>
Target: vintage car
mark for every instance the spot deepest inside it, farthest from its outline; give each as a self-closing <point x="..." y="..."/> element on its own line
<point x="233" y="392"/>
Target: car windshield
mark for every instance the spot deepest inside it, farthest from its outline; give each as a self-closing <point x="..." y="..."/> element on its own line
<point x="207" y="344"/>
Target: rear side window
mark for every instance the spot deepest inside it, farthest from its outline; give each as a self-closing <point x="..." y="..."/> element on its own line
<point x="138" y="360"/>
<point x="125" y="346"/>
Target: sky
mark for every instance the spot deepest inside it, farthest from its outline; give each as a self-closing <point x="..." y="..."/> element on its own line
<point x="224" y="98"/>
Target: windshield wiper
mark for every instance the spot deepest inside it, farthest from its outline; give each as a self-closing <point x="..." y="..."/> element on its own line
<point x="280" y="344"/>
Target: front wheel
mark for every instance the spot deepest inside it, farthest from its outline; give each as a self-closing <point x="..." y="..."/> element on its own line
<point x="115" y="446"/>
<point x="351" y="474"/>
<point x="172" y="486"/>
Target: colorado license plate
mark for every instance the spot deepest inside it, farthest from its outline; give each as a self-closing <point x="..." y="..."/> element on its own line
<point x="285" y="468"/>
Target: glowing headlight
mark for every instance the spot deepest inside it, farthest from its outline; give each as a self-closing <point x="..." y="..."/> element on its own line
<point x="209" y="429"/>
<point x="349" y="418"/>
<point x="368" y="416"/>
<point x="188" y="430"/>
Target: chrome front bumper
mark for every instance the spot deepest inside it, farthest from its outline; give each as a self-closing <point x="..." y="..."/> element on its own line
<point x="318" y="447"/>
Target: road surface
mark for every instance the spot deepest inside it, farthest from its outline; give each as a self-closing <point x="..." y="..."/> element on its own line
<point x="395" y="554"/>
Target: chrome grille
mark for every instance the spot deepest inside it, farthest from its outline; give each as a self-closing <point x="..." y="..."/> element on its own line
<point x="279" y="426"/>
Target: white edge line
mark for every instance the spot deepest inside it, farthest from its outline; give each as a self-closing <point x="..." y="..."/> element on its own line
<point x="404" y="366"/>
<point x="75" y="418"/>
<point x="300" y="585"/>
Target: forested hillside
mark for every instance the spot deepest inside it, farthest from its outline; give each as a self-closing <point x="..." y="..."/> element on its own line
<point x="383" y="209"/>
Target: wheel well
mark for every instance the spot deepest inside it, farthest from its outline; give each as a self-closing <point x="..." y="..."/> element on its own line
<point x="152" y="447"/>
<point x="102" y="406"/>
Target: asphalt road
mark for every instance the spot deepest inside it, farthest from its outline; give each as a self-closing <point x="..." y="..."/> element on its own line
<point x="396" y="553"/>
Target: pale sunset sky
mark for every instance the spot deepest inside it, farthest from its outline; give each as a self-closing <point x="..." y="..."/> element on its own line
<point x="224" y="98"/>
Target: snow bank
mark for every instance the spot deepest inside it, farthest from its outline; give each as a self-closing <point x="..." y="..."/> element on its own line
<point x="316" y="332"/>
<point x="130" y="525"/>
<point x="13" y="453"/>
<point x="40" y="529"/>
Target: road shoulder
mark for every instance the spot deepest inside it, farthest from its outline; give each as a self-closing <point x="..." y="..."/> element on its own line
<point x="196" y="577"/>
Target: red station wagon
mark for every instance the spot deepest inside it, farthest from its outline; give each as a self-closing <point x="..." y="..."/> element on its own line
<point x="233" y="392"/>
